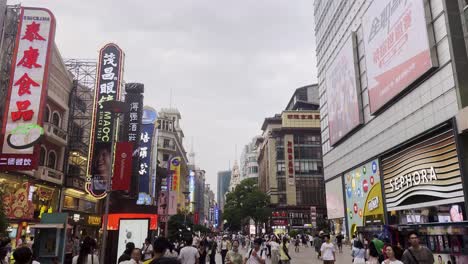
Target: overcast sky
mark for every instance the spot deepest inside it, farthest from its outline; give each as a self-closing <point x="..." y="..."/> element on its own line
<point x="229" y="64"/>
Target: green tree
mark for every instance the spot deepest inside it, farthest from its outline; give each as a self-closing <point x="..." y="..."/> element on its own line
<point x="244" y="202"/>
<point x="3" y="218"/>
<point x="177" y="229"/>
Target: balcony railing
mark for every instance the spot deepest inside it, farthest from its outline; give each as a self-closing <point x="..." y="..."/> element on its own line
<point x="48" y="174"/>
<point x="55" y="133"/>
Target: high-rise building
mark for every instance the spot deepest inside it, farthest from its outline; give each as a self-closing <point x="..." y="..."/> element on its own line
<point x="394" y="111"/>
<point x="224" y="179"/>
<point x="248" y="164"/>
<point x="290" y="163"/>
<point x="235" y="176"/>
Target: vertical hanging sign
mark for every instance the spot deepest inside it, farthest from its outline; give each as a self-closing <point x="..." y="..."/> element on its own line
<point x="27" y="91"/>
<point x="107" y="88"/>
<point x="175" y="169"/>
<point x="146" y="140"/>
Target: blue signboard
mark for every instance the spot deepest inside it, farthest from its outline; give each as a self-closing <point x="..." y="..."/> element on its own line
<point x="216" y="216"/>
<point x="146" y="140"/>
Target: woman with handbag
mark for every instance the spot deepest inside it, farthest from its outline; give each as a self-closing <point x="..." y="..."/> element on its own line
<point x="284" y="252"/>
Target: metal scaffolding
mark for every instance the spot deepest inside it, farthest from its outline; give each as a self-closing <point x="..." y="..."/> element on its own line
<point x="81" y="110"/>
<point x="7" y="47"/>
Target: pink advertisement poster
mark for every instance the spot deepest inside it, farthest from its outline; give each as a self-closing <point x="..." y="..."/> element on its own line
<point x="397" y="48"/>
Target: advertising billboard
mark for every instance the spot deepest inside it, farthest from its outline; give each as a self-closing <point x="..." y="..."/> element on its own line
<point x="108" y="84"/>
<point x="146" y="140"/>
<point x="426" y="173"/>
<point x="398" y="50"/>
<point x="364" y="204"/>
<point x="175" y="170"/>
<point x="27" y="90"/>
<point x="132" y="230"/>
<point x="122" y="166"/>
<point x="335" y="201"/>
<point x="343" y="97"/>
<point x="192" y="190"/>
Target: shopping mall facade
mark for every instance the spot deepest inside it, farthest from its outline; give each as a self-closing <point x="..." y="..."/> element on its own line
<point x="394" y="119"/>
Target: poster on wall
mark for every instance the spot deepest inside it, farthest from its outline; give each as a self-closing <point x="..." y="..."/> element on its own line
<point x="334" y="193"/>
<point x="426" y="173"/>
<point x="132" y="230"/>
<point x="108" y="82"/>
<point x="363" y="190"/>
<point x="27" y="90"/>
<point x="343" y="97"/>
<point x="398" y="50"/>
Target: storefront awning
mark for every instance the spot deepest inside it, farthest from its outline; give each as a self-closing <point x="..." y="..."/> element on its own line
<point x="56" y="226"/>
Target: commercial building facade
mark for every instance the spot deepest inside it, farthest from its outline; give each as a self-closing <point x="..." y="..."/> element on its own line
<point x="393" y="116"/>
<point x="248" y="164"/>
<point x="290" y="164"/>
<point x="224" y="179"/>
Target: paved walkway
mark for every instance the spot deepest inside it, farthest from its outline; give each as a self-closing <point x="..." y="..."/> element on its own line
<point x="307" y="256"/>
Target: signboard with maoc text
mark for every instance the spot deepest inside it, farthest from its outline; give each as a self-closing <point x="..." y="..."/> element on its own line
<point x="107" y="88"/>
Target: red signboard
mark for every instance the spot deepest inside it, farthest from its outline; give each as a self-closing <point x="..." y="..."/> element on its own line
<point x="27" y="91"/>
<point x="122" y="166"/>
<point x="196" y="218"/>
<point x="290" y="162"/>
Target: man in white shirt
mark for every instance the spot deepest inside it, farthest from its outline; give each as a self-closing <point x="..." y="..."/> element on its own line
<point x="255" y="255"/>
<point x="189" y="254"/>
<point x="328" y="251"/>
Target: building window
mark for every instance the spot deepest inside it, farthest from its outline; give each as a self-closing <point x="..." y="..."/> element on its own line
<point x="166" y="143"/>
<point x="280" y="168"/>
<point x="165" y="157"/>
<point x="254" y="169"/>
<point x="47" y="114"/>
<point x="52" y="160"/>
<point x="42" y="156"/>
<point x="56" y="119"/>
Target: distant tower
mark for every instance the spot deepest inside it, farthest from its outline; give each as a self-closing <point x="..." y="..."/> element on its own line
<point x="235" y="176"/>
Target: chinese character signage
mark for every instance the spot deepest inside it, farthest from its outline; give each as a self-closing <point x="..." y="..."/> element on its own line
<point x="134" y="99"/>
<point x="27" y="91"/>
<point x="175" y="169"/>
<point x="290" y="161"/>
<point x="192" y="189"/>
<point x="146" y="139"/>
<point x="364" y="205"/>
<point x="107" y="89"/>
<point x="122" y="166"/>
<point x="343" y="99"/>
<point x="398" y="50"/>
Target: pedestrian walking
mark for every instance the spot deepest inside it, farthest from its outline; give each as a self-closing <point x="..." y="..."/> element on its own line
<point x="328" y="251"/>
<point x="417" y="254"/>
<point x="69" y="250"/>
<point x="86" y="255"/>
<point x="339" y="242"/>
<point x="284" y="251"/>
<point x="213" y="248"/>
<point x="23" y="255"/>
<point x="318" y="244"/>
<point x="224" y="247"/>
<point x="255" y="255"/>
<point x="135" y="257"/>
<point x="147" y="249"/>
<point x="189" y="254"/>
<point x="275" y="254"/>
<point x="127" y="254"/>
<point x="358" y="253"/>
<point x="393" y="254"/>
<point x="203" y="251"/>
<point x="297" y="242"/>
<point x="160" y="248"/>
<point x="233" y="256"/>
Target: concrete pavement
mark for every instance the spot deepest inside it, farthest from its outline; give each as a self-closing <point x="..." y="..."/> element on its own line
<point x="307" y="255"/>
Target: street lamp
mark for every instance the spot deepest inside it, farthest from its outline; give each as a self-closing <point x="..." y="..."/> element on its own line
<point x="116" y="108"/>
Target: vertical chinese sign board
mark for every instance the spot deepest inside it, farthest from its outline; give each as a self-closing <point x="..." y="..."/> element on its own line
<point x="146" y="140"/>
<point x="27" y="91"/>
<point x="132" y="128"/>
<point x="107" y="88"/>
